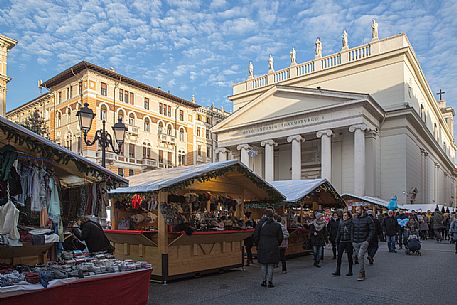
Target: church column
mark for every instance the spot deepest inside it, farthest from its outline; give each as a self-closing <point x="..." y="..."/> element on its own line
<point x="326" y="153"/>
<point x="359" y="158"/>
<point x="244" y="153"/>
<point x="222" y="153"/>
<point x="269" y="159"/>
<point x="296" y="155"/>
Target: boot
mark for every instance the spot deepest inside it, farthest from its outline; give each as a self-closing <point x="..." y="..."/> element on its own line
<point x="336" y="273"/>
<point x="370" y="260"/>
<point x="361" y="276"/>
<point x="264" y="284"/>
<point x="316" y="264"/>
<point x="350" y="269"/>
<point x="270" y="285"/>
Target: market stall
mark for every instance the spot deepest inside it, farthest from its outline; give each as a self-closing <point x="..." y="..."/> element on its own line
<point x="303" y="197"/>
<point x="186" y="220"/>
<point x="43" y="188"/>
<point x="373" y="203"/>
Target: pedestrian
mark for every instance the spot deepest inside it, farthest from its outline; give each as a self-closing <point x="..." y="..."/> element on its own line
<point x="453" y="233"/>
<point x="332" y="229"/>
<point x="446" y="224"/>
<point x="92" y="233"/>
<point x="249" y="241"/>
<point x="374" y="241"/>
<point x="429" y="216"/>
<point x="267" y="237"/>
<point x="401" y="232"/>
<point x="318" y="237"/>
<point x="284" y="244"/>
<point x="344" y="239"/>
<point x="391" y="228"/>
<point x="437" y="224"/>
<point x="363" y="232"/>
<point x="423" y="226"/>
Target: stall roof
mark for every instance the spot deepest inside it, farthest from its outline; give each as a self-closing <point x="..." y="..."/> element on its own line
<point x="168" y="178"/>
<point x="424" y="207"/>
<point x="369" y="199"/>
<point x="65" y="162"/>
<point x="296" y="190"/>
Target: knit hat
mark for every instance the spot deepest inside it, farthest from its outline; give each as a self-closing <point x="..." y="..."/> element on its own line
<point x="318" y="215"/>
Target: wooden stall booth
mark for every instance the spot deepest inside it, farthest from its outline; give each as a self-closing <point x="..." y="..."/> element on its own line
<point x="304" y="197"/>
<point x="40" y="184"/>
<point x="186" y="220"/>
<point x="373" y="203"/>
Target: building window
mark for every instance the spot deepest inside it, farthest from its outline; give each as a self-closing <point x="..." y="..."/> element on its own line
<point x="132" y="98"/>
<point x="126" y="96"/>
<point x="68" y="93"/>
<point x="199" y="150"/>
<point x="71" y="91"/>
<point x="161" y="158"/>
<point x="169" y="130"/>
<point x="103" y="89"/>
<point x="208" y="151"/>
<point x="199" y="117"/>
<point x="181" y="115"/>
<point x="131" y="150"/>
<point x="208" y="134"/>
<point x="198" y="131"/>
<point x="120" y="172"/>
<point x="68" y="141"/>
<point x="131" y="119"/>
<point x="121" y="95"/>
<point x="170" y="159"/>
<point x="80" y="88"/>
<point x="169" y="111"/>
<point x="103" y="112"/>
<point x="182" y="158"/>
<point x="146" y="151"/>
<point x="181" y="135"/>
<point x="160" y="127"/>
<point x="120" y="115"/>
<point x="208" y="120"/>
<point x="60" y="97"/>
<point x="146" y="103"/>
<point x="131" y="172"/>
<point x="160" y="108"/>
<point x="147" y="125"/>
<point x="58" y="119"/>
<point x="68" y="115"/>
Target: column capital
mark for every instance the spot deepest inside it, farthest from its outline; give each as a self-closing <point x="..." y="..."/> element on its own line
<point x="243" y="146"/>
<point x="355" y="127"/>
<point x="268" y="142"/>
<point x="327" y="132"/>
<point x="297" y="138"/>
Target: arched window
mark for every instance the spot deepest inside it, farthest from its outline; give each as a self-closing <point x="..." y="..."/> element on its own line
<point x="58" y="119"/>
<point x="146" y="150"/>
<point x="103" y="112"/>
<point x="68" y="115"/>
<point x="131" y="119"/>
<point x="169" y="130"/>
<point x="160" y="127"/>
<point x="68" y="141"/>
<point x="181" y="134"/>
<point x="147" y="125"/>
<point x="120" y="115"/>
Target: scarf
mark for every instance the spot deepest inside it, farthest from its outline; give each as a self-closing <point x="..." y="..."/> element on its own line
<point x="319" y="224"/>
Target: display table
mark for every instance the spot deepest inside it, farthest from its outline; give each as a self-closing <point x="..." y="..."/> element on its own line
<point x="187" y="254"/>
<point x="129" y="287"/>
<point x="27" y="254"/>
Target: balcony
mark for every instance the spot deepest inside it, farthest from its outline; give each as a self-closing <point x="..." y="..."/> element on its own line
<point x="132" y="130"/>
<point x="150" y="163"/>
<point x="165" y="138"/>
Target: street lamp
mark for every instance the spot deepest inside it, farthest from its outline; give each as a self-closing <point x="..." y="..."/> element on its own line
<point x="86" y="116"/>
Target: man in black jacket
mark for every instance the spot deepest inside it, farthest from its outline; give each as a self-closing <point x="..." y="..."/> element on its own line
<point x="373" y="245"/>
<point x="92" y="233"/>
<point x="363" y="233"/>
<point x="391" y="228"/>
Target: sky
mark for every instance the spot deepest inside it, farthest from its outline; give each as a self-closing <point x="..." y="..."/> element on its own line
<point x="202" y="47"/>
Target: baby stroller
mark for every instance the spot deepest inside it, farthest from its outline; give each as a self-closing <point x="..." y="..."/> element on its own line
<point x="412" y="243"/>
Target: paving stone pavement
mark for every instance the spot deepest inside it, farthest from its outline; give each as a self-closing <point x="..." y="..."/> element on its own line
<point x="395" y="278"/>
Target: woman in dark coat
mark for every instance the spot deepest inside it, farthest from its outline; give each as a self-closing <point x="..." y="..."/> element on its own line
<point x="344" y="240"/>
<point x="268" y="237"/>
<point x="318" y="237"/>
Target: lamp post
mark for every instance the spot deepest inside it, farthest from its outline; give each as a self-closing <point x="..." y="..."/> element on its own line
<point x="86" y="115"/>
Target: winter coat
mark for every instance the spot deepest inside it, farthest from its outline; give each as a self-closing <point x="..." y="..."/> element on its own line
<point x="318" y="239"/>
<point x="363" y="228"/>
<point x="437" y="221"/>
<point x="332" y="228"/>
<point x="391" y="226"/>
<point x="285" y="234"/>
<point x="453" y="230"/>
<point x="412" y="225"/>
<point x="377" y="230"/>
<point x="345" y="232"/>
<point x="268" y="236"/>
<point x="249" y="241"/>
<point x="92" y="233"/>
<point x="423" y="225"/>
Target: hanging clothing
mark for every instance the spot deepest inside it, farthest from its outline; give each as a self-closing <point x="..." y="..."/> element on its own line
<point x="35" y="190"/>
<point x="54" y="201"/>
<point x="8" y="155"/>
<point x="9" y="218"/>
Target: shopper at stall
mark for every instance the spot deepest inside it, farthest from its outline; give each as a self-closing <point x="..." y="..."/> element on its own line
<point x="437" y="224"/>
<point x="268" y="237"/>
<point x="391" y="228"/>
<point x="344" y="239"/>
<point x="363" y="233"/>
<point x="446" y="224"/>
<point x="92" y="234"/>
<point x="453" y="233"/>
<point x="318" y="237"/>
<point x="284" y="244"/>
<point x="249" y="242"/>
<point x="332" y="228"/>
<point x="423" y="226"/>
<point x="374" y="241"/>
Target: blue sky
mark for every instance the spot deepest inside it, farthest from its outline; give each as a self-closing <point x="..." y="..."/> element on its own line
<point x="202" y="47"/>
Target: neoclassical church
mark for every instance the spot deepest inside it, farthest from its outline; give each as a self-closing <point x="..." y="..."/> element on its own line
<point x="364" y="118"/>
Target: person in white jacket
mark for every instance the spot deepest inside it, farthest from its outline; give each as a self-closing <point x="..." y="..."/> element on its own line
<point x="284" y="244"/>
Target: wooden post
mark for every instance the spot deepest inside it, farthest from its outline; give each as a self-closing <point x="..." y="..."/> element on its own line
<point x="163" y="235"/>
<point x="208" y="206"/>
<point x="113" y="214"/>
<point x="301" y="212"/>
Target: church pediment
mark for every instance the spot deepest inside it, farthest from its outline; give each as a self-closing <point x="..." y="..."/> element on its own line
<point x="283" y="101"/>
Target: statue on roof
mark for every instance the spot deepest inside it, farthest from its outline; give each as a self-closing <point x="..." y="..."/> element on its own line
<point x="318" y="49"/>
<point x="293" y="59"/>
<point x="374" y="30"/>
<point x="270" y="63"/>
<point x="251" y="70"/>
<point x="344" y="39"/>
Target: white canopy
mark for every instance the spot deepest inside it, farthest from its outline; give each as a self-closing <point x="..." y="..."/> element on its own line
<point x="369" y="199"/>
<point x="424" y="207"/>
<point x="294" y="190"/>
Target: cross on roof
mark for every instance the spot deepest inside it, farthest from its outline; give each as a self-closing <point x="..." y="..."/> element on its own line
<point x="441" y="93"/>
